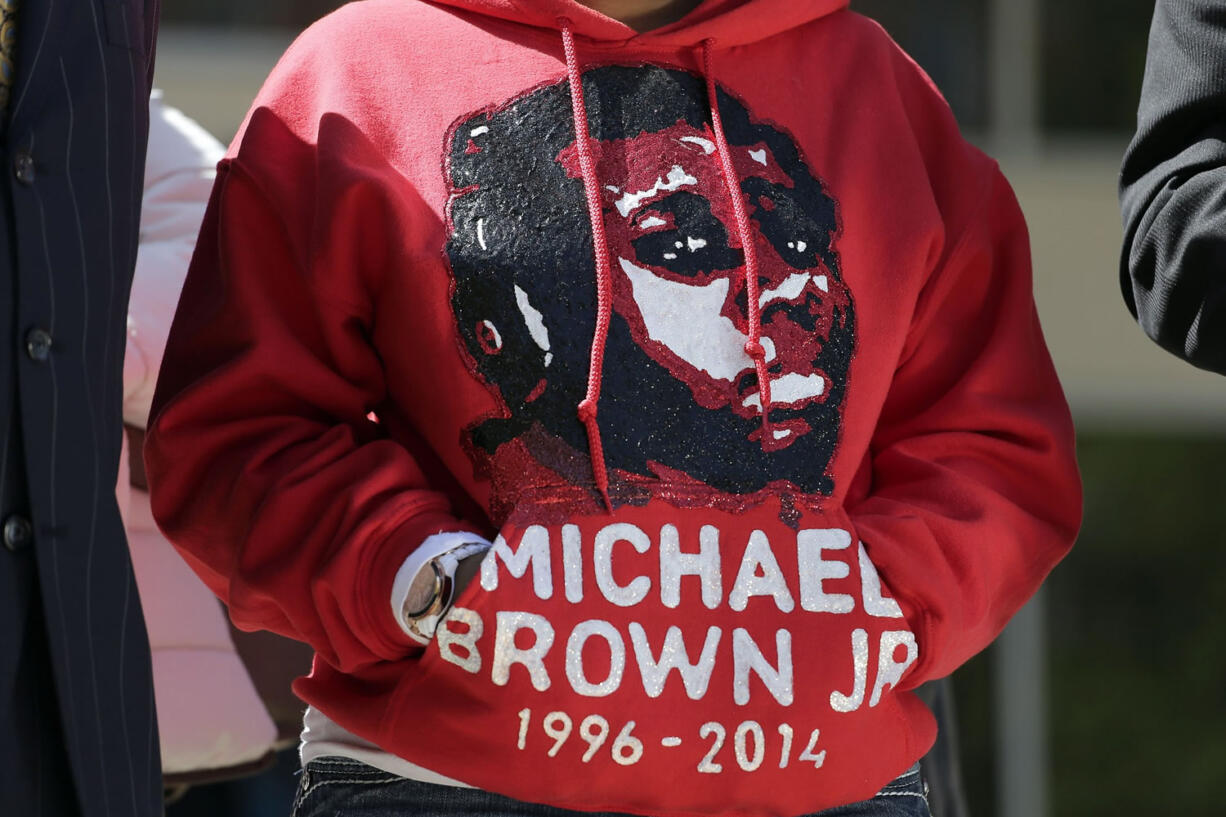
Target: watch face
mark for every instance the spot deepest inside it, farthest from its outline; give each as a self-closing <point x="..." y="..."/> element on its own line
<point x="425" y="593"/>
<point x="432" y="593"/>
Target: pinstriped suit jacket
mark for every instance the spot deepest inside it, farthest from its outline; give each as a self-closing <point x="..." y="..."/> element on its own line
<point x="70" y="193"/>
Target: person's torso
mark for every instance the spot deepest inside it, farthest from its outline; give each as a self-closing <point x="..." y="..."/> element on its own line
<point x="719" y="641"/>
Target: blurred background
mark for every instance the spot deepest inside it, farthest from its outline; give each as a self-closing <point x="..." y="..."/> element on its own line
<point x="1109" y="696"/>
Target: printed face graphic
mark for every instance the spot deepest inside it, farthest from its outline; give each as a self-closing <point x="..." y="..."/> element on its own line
<point x="680" y="401"/>
<point x="680" y="284"/>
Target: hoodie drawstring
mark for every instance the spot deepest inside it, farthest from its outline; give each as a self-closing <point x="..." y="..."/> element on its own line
<point x="753" y="309"/>
<point x="604" y="280"/>
<point x="604" y="277"/>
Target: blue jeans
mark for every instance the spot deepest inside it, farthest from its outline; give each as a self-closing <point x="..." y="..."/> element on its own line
<point x="339" y="787"/>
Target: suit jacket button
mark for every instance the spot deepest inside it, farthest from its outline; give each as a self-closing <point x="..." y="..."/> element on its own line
<point x="23" y="168"/>
<point x="38" y="345"/>
<point x="18" y="533"/>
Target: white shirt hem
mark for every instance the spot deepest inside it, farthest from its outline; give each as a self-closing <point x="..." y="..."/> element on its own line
<point x="323" y="737"/>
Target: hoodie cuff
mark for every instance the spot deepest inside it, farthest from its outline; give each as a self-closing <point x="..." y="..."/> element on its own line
<point x="433" y="547"/>
<point x="387" y="637"/>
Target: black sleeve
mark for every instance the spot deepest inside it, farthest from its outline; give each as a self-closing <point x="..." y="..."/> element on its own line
<point x="153" y="15"/>
<point x="1173" y="186"/>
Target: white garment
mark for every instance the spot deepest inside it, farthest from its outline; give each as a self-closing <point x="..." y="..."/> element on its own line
<point x="210" y="716"/>
<point x="321" y="737"/>
<point x="179" y="171"/>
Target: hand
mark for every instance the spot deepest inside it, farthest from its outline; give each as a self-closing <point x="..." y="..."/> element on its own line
<point x="465" y="572"/>
<point x="136" y="457"/>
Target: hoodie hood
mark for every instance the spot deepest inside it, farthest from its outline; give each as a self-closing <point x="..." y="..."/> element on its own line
<point x="729" y="22"/>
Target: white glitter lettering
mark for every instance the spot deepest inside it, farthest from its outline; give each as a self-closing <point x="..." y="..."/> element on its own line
<point x="859" y="659"/>
<point x="602" y="559"/>
<point x="747" y="657"/>
<point x="705" y="564"/>
<point x="533" y="551"/>
<point x="814" y="570"/>
<point x="760" y="558"/>
<point x="572" y="563"/>
<point x="674" y="656"/>
<point x="574" y="658"/>
<point x="449" y="639"/>
<point x="506" y="654"/>
<point x="889" y="671"/>
<point x="870" y="587"/>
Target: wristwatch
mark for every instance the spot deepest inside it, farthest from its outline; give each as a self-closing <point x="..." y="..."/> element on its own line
<point x="434" y="588"/>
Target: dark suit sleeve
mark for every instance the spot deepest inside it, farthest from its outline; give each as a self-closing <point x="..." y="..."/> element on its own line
<point x="1173" y="186"/>
<point x="153" y="18"/>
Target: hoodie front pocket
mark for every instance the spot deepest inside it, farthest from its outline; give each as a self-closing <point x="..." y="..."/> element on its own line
<point x="753" y="659"/>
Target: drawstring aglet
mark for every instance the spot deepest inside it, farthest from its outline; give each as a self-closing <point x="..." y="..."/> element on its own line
<point x="587" y="416"/>
<point x="757" y="354"/>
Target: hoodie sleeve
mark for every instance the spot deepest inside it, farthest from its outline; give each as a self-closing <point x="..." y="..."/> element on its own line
<point x="974" y="491"/>
<point x="266" y="471"/>
<point x="1173" y="186"/>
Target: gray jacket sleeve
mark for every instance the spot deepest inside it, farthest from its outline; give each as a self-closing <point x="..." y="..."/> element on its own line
<point x="1173" y="186"/>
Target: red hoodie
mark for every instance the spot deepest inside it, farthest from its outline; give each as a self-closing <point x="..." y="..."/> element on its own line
<point x="705" y="597"/>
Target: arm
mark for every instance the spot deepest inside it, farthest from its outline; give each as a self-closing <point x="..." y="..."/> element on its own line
<point x="290" y="504"/>
<point x="972" y="492"/>
<point x="1173" y="186"/>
